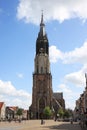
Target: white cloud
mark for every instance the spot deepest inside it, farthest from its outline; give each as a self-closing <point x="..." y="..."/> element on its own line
<point x="16" y="97"/>
<point x="65" y="89"/>
<point x="77" y="78"/>
<point x="55" y="54"/>
<point x="67" y="92"/>
<point x="78" y="55"/>
<point x="20" y="75"/>
<point x="69" y="95"/>
<point x="30" y="10"/>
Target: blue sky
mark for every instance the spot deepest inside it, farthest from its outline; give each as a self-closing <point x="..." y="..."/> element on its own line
<point x="66" y="28"/>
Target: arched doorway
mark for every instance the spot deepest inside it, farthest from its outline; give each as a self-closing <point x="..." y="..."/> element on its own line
<point x="41" y="107"/>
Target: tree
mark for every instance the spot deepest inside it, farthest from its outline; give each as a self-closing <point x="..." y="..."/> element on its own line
<point x="61" y="113"/>
<point x="66" y="114"/>
<point x="47" y="112"/>
<point x="19" y="112"/>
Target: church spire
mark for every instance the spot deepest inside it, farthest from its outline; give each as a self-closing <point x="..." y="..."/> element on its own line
<point x="42" y="27"/>
<point x="42" y="40"/>
<point x="42" y="19"/>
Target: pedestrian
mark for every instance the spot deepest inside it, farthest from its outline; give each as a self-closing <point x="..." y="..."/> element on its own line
<point x="71" y="121"/>
<point x="41" y="121"/>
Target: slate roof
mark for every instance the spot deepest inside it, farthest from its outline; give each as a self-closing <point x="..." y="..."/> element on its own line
<point x="58" y="95"/>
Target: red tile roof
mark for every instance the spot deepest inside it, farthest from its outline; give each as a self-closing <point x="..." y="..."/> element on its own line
<point x="1" y="104"/>
<point x="14" y="108"/>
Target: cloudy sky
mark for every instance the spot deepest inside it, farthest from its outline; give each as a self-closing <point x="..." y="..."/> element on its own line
<point x="66" y="28"/>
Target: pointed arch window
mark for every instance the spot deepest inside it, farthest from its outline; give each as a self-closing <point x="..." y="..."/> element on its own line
<point x="41" y="103"/>
<point x="41" y="70"/>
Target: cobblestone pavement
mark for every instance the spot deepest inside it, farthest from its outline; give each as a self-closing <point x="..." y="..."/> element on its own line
<point x="36" y="125"/>
<point x="9" y="128"/>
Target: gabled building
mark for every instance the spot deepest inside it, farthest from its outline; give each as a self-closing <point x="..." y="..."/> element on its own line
<point x="85" y="96"/>
<point x="2" y="110"/>
<point x="25" y="115"/>
<point x="81" y="103"/>
<point x="58" y="101"/>
<point x="11" y="112"/>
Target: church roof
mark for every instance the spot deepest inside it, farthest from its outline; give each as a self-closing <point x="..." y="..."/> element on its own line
<point x="42" y="27"/>
<point x="58" y="95"/>
<point x="42" y="40"/>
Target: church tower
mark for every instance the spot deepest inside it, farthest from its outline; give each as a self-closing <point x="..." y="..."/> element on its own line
<point x="42" y="79"/>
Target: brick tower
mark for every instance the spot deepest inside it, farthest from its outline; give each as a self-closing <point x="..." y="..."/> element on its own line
<point x="42" y="79"/>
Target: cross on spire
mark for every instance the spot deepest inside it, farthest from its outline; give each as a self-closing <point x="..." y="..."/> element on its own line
<point x="42" y="26"/>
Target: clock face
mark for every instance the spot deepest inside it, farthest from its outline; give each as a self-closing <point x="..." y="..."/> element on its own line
<point x="45" y="40"/>
<point x="41" y="50"/>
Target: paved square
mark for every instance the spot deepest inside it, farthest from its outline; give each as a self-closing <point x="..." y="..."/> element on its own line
<point x="36" y="125"/>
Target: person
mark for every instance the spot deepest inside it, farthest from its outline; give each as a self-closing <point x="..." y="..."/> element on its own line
<point x="42" y="122"/>
<point x="71" y="121"/>
<point x="86" y="120"/>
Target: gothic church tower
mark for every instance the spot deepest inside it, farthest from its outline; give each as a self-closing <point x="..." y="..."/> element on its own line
<point x="42" y="93"/>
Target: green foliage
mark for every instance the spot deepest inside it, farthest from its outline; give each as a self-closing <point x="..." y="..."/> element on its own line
<point x="70" y="112"/>
<point x="61" y="112"/>
<point x="19" y="112"/>
<point x="66" y="114"/>
<point x="47" y="112"/>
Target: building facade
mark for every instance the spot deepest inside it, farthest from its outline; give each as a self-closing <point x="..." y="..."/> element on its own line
<point x="42" y="93"/>
<point x="58" y="101"/>
<point x="11" y="112"/>
<point x="81" y="103"/>
<point x="42" y="78"/>
<point x="2" y="111"/>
